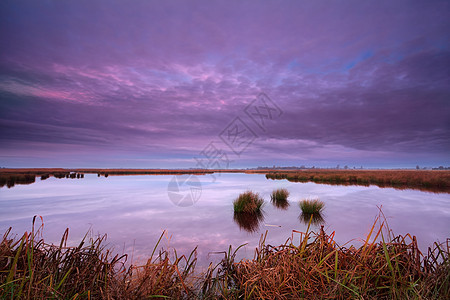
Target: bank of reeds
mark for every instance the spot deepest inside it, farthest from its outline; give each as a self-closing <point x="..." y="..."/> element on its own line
<point x="32" y="269"/>
<point x="309" y="265"/>
<point x="11" y="180"/>
<point x="436" y="181"/>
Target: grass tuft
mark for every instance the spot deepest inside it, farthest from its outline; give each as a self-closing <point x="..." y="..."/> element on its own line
<point x="279" y="198"/>
<point x="312" y="206"/>
<point x="248" y="202"/>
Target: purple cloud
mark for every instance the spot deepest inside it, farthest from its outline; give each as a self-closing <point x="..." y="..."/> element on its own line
<point x="150" y="84"/>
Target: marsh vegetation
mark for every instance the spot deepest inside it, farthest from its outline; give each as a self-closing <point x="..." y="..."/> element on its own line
<point x="436" y="181"/>
<point x="248" y="202"/>
<point x="311" y="206"/>
<point x="385" y="266"/>
<point x="279" y="198"/>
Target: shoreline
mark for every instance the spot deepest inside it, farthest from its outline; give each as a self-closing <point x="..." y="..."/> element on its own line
<point x="426" y="180"/>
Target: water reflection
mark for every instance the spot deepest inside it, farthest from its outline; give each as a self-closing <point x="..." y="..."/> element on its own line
<point x="281" y="204"/>
<point x="134" y="210"/>
<point x="316" y="219"/>
<point x="249" y="221"/>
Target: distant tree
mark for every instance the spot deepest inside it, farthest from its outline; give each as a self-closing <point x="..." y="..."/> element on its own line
<point x="346" y="167"/>
<point x="417" y="167"/>
<point x="338" y="166"/>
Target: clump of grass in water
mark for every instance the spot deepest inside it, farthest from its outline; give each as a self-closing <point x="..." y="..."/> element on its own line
<point x="279" y="198"/>
<point x="312" y="206"/>
<point x="248" y="202"/>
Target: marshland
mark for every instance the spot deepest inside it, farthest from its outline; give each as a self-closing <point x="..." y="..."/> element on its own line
<point x="140" y="244"/>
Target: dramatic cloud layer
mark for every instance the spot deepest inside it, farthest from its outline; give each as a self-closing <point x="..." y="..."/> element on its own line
<point x="153" y="83"/>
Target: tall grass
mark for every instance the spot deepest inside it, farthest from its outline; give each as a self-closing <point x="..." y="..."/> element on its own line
<point x="308" y="266"/>
<point x="312" y="206"/>
<point x="279" y="198"/>
<point x="32" y="269"/>
<point x="248" y="202"/>
<point x="385" y="267"/>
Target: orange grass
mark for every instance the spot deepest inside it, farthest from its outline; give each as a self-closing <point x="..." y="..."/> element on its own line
<point x="308" y="266"/>
<point x="437" y="181"/>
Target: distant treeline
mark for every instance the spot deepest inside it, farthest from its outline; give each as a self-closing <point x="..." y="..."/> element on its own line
<point x="436" y="181"/>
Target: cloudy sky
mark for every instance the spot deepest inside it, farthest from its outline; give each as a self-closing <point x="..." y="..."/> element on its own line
<point x="170" y="84"/>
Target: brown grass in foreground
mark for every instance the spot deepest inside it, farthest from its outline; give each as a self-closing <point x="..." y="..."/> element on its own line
<point x="385" y="267"/>
<point x="435" y="181"/>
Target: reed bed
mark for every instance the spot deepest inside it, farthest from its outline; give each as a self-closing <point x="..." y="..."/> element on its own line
<point x="385" y="267"/>
<point x="436" y="181"/>
<point x="11" y="180"/>
<point x="309" y="265"/>
<point x="32" y="269"/>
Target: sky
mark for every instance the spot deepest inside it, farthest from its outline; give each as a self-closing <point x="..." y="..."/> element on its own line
<point x="224" y="84"/>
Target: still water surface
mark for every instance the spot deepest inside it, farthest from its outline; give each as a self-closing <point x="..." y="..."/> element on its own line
<point x="134" y="211"/>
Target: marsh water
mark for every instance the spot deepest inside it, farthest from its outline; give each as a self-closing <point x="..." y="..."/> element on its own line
<point x="135" y="210"/>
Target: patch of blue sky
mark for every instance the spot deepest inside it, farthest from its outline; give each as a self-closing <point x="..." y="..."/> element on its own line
<point x="363" y="56"/>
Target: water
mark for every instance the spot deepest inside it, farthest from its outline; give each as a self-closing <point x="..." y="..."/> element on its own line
<point x="135" y="210"/>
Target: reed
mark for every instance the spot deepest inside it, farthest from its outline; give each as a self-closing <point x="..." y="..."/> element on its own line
<point x="248" y="202"/>
<point x="436" y="181"/>
<point x="32" y="269"/>
<point x="385" y="267"/>
<point x="311" y="206"/>
<point x="11" y="180"/>
<point x="309" y="265"/>
<point x="279" y="198"/>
